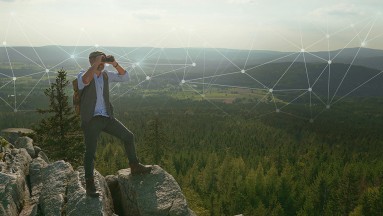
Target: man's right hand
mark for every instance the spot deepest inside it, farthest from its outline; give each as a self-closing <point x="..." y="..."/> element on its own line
<point x="98" y="60"/>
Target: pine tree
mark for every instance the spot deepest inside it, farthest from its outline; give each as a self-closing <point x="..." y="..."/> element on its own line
<point x="59" y="131"/>
<point x="156" y="141"/>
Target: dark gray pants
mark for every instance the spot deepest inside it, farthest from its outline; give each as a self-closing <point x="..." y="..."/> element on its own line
<point x="111" y="126"/>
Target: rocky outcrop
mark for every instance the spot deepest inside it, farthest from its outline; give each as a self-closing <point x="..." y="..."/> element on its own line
<point x="30" y="186"/>
<point x="154" y="194"/>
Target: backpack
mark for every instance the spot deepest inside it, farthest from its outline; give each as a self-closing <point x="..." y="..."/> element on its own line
<point x="77" y="93"/>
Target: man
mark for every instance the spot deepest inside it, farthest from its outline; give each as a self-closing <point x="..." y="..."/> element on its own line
<point x="96" y="113"/>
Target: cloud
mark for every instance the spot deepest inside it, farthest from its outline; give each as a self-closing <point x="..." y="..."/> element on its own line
<point x="340" y="10"/>
<point x="149" y="14"/>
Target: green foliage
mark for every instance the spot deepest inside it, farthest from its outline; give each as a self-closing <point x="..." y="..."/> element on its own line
<point x="58" y="133"/>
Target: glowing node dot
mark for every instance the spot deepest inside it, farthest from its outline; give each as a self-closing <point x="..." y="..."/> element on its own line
<point x="183" y="81"/>
<point x="311" y="120"/>
<point x="82" y="29"/>
<point x="302" y="50"/>
<point x="147" y="77"/>
<point x="363" y="44"/>
<point x="242" y="71"/>
<point x="327" y="106"/>
<point x="96" y="45"/>
<point x="72" y="56"/>
<point x="46" y="70"/>
<point x="118" y="84"/>
<point x="203" y="95"/>
<point x="15" y="110"/>
<point x="329" y="61"/>
<point x="14" y="78"/>
<point x="271" y="90"/>
<point x="310" y="89"/>
<point x="327" y="36"/>
<point x="13" y="13"/>
<point x="277" y="110"/>
<point x="194" y="64"/>
<point x="4" y="43"/>
<point x="352" y="25"/>
<point x="138" y="63"/>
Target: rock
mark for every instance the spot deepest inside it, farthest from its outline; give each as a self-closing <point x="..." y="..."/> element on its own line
<point x="31" y="187"/>
<point x="27" y="143"/>
<point x="156" y="193"/>
<point x="37" y="149"/>
<point x="80" y="204"/>
<point x="13" y="189"/>
<point x="54" y="190"/>
<point x="11" y="134"/>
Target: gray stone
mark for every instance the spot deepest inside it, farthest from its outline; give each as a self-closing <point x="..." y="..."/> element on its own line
<point x="13" y="189"/>
<point x="81" y="204"/>
<point x="54" y="188"/>
<point x="27" y="143"/>
<point x="37" y="149"/>
<point x="156" y="193"/>
<point x="11" y="134"/>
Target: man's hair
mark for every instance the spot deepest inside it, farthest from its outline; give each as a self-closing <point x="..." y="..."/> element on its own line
<point x="95" y="54"/>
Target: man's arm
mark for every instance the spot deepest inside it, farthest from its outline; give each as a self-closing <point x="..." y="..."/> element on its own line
<point x="119" y="68"/>
<point x="87" y="77"/>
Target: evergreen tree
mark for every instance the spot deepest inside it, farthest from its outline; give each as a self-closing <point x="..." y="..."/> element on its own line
<point x="156" y="141"/>
<point x="59" y="131"/>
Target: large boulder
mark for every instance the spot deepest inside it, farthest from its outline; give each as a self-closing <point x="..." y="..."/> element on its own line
<point x="80" y="204"/>
<point x="27" y="143"/>
<point x="11" y="134"/>
<point x="13" y="174"/>
<point x="156" y="193"/>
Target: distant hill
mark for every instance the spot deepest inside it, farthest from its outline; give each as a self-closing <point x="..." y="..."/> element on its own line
<point x="53" y="55"/>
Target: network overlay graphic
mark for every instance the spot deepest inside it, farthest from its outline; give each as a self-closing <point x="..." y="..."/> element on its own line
<point x="323" y="80"/>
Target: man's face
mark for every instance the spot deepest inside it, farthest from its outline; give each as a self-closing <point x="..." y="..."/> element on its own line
<point x="100" y="67"/>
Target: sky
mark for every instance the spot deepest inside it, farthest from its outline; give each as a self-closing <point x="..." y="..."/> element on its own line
<point x="282" y="25"/>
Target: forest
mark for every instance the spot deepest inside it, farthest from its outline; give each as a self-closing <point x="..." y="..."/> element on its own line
<point x="231" y="161"/>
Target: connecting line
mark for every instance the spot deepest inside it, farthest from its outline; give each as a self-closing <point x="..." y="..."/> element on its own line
<point x="248" y="54"/>
<point x="307" y="73"/>
<point x="323" y="110"/>
<point x="300" y="117"/>
<point x="349" y="42"/>
<point x="358" y="87"/>
<point x="348" y="69"/>
<point x="272" y="61"/>
<point x="26" y="57"/>
<point x="167" y="58"/>
<point x="6" y="84"/>
<point x="6" y="75"/>
<point x="78" y="39"/>
<point x="213" y="76"/>
<point x="259" y="101"/>
<point x="31" y="91"/>
<point x="230" y="86"/>
<point x="129" y="90"/>
<point x="315" y="43"/>
<point x="263" y="115"/>
<point x="288" y="41"/>
<point x="227" y="58"/>
<point x="319" y="76"/>
<point x="6" y="103"/>
<point x="209" y="101"/>
<point x="60" y="63"/>
<point x="31" y="74"/>
<point x="316" y="56"/>
<point x="293" y="100"/>
<point x="186" y="58"/>
<point x="38" y="56"/>
<point x="319" y="98"/>
<point x="286" y="71"/>
<point x="215" y="72"/>
<point x="284" y="90"/>
<point x="169" y="71"/>
<point x="275" y="104"/>
<point x="256" y="80"/>
<point x="329" y="72"/>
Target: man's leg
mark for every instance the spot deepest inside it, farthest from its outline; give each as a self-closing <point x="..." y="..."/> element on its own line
<point x="91" y="133"/>
<point x="117" y="129"/>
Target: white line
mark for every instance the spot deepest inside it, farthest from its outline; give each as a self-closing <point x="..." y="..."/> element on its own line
<point x="31" y="91"/>
<point x="6" y="103"/>
<point x="358" y="87"/>
<point x="288" y="68"/>
<point x="230" y="86"/>
<point x="294" y="99"/>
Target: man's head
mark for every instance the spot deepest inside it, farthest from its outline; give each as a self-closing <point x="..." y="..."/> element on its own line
<point x="92" y="57"/>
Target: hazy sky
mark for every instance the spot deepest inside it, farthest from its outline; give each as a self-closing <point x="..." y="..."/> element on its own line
<point x="284" y="25"/>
